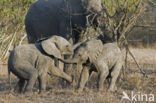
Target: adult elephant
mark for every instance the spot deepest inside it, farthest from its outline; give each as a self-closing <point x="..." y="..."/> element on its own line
<point x="58" y="17"/>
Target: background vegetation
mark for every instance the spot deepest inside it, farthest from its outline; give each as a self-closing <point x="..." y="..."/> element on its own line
<point x="12" y="14"/>
<point x="12" y="31"/>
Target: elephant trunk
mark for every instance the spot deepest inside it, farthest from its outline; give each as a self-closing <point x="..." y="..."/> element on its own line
<point x="69" y="61"/>
<point x="77" y="73"/>
<point x="78" y="44"/>
<point x="79" y="67"/>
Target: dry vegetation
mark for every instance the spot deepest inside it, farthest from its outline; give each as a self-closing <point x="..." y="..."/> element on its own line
<point x="12" y="24"/>
<point x="131" y="81"/>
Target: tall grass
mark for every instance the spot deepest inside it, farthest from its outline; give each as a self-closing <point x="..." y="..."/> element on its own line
<point x="12" y="14"/>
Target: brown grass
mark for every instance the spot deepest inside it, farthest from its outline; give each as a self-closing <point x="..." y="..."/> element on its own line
<point x="56" y="94"/>
<point x="144" y="55"/>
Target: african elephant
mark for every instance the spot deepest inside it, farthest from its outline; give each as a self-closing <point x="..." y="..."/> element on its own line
<point x="31" y="61"/>
<point x="106" y="58"/>
<point x="63" y="17"/>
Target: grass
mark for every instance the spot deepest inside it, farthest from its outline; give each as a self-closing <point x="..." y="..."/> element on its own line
<point x="56" y="94"/>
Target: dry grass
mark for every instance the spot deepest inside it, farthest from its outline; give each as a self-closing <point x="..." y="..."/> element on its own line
<point x="144" y="55"/>
<point x="56" y="94"/>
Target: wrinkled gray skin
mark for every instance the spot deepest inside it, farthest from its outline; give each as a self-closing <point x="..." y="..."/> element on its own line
<point x="57" y="17"/>
<point x="107" y="59"/>
<point x="32" y="61"/>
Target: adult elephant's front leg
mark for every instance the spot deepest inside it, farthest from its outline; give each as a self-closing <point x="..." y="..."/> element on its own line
<point x="84" y="78"/>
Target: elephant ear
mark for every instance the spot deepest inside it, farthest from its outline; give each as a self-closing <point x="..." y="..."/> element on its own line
<point x="51" y="48"/>
<point x="94" y="48"/>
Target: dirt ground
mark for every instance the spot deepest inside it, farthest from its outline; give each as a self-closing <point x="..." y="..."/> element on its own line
<point x="130" y="82"/>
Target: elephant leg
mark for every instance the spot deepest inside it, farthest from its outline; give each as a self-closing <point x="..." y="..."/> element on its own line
<point x="91" y="70"/>
<point x="115" y="73"/>
<point x="83" y="78"/>
<point x="56" y="62"/>
<point x="20" y="86"/>
<point x="103" y="73"/>
<point x="33" y="74"/>
<point x="67" y="68"/>
<point x="61" y="65"/>
<point x="58" y="72"/>
<point x="42" y="83"/>
<point x="108" y="78"/>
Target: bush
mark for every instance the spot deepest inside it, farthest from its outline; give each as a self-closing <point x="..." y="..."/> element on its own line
<point x="12" y="13"/>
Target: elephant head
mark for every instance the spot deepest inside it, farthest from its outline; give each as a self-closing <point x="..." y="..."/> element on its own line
<point x="92" y="5"/>
<point x="88" y="50"/>
<point x="58" y="46"/>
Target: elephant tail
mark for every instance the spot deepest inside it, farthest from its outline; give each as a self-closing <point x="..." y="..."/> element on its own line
<point x="10" y="67"/>
<point x="9" y="78"/>
<point x="9" y="71"/>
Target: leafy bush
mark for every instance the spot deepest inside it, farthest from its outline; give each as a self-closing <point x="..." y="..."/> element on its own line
<point x="113" y="5"/>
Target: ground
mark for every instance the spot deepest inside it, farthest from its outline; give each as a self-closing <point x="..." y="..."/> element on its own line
<point x="130" y="82"/>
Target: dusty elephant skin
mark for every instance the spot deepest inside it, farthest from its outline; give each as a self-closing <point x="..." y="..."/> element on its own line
<point x="32" y="61"/>
<point x="51" y="17"/>
<point x="107" y="59"/>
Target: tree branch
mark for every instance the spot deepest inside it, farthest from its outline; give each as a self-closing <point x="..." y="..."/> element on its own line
<point x="127" y="50"/>
<point x="132" y="20"/>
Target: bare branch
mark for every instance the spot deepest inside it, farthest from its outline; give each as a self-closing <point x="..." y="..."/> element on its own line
<point x="132" y="20"/>
<point x="120" y="22"/>
<point x="152" y="2"/>
<point x="9" y="45"/>
<point x="127" y="50"/>
<point x="20" y="42"/>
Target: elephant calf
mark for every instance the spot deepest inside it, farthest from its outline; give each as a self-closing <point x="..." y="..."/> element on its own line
<point x="107" y="59"/>
<point x="30" y="62"/>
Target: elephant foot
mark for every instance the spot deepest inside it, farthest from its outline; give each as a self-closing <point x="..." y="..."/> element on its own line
<point x="16" y="91"/>
<point x="112" y="89"/>
<point x="100" y="91"/>
<point x="27" y="92"/>
<point x="80" y="91"/>
<point x="73" y="83"/>
<point x="42" y="92"/>
<point x="115" y="88"/>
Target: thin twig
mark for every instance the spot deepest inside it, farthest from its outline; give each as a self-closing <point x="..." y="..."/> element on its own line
<point x="152" y="2"/>
<point x="132" y="20"/>
<point x="9" y="45"/>
<point x="120" y="22"/>
<point x="20" y="42"/>
<point x="127" y="48"/>
<point x="6" y="39"/>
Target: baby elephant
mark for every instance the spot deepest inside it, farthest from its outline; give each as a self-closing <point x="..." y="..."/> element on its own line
<point x="107" y="59"/>
<point x="32" y="61"/>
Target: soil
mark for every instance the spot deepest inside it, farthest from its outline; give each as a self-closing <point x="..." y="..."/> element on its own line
<point x="131" y="81"/>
